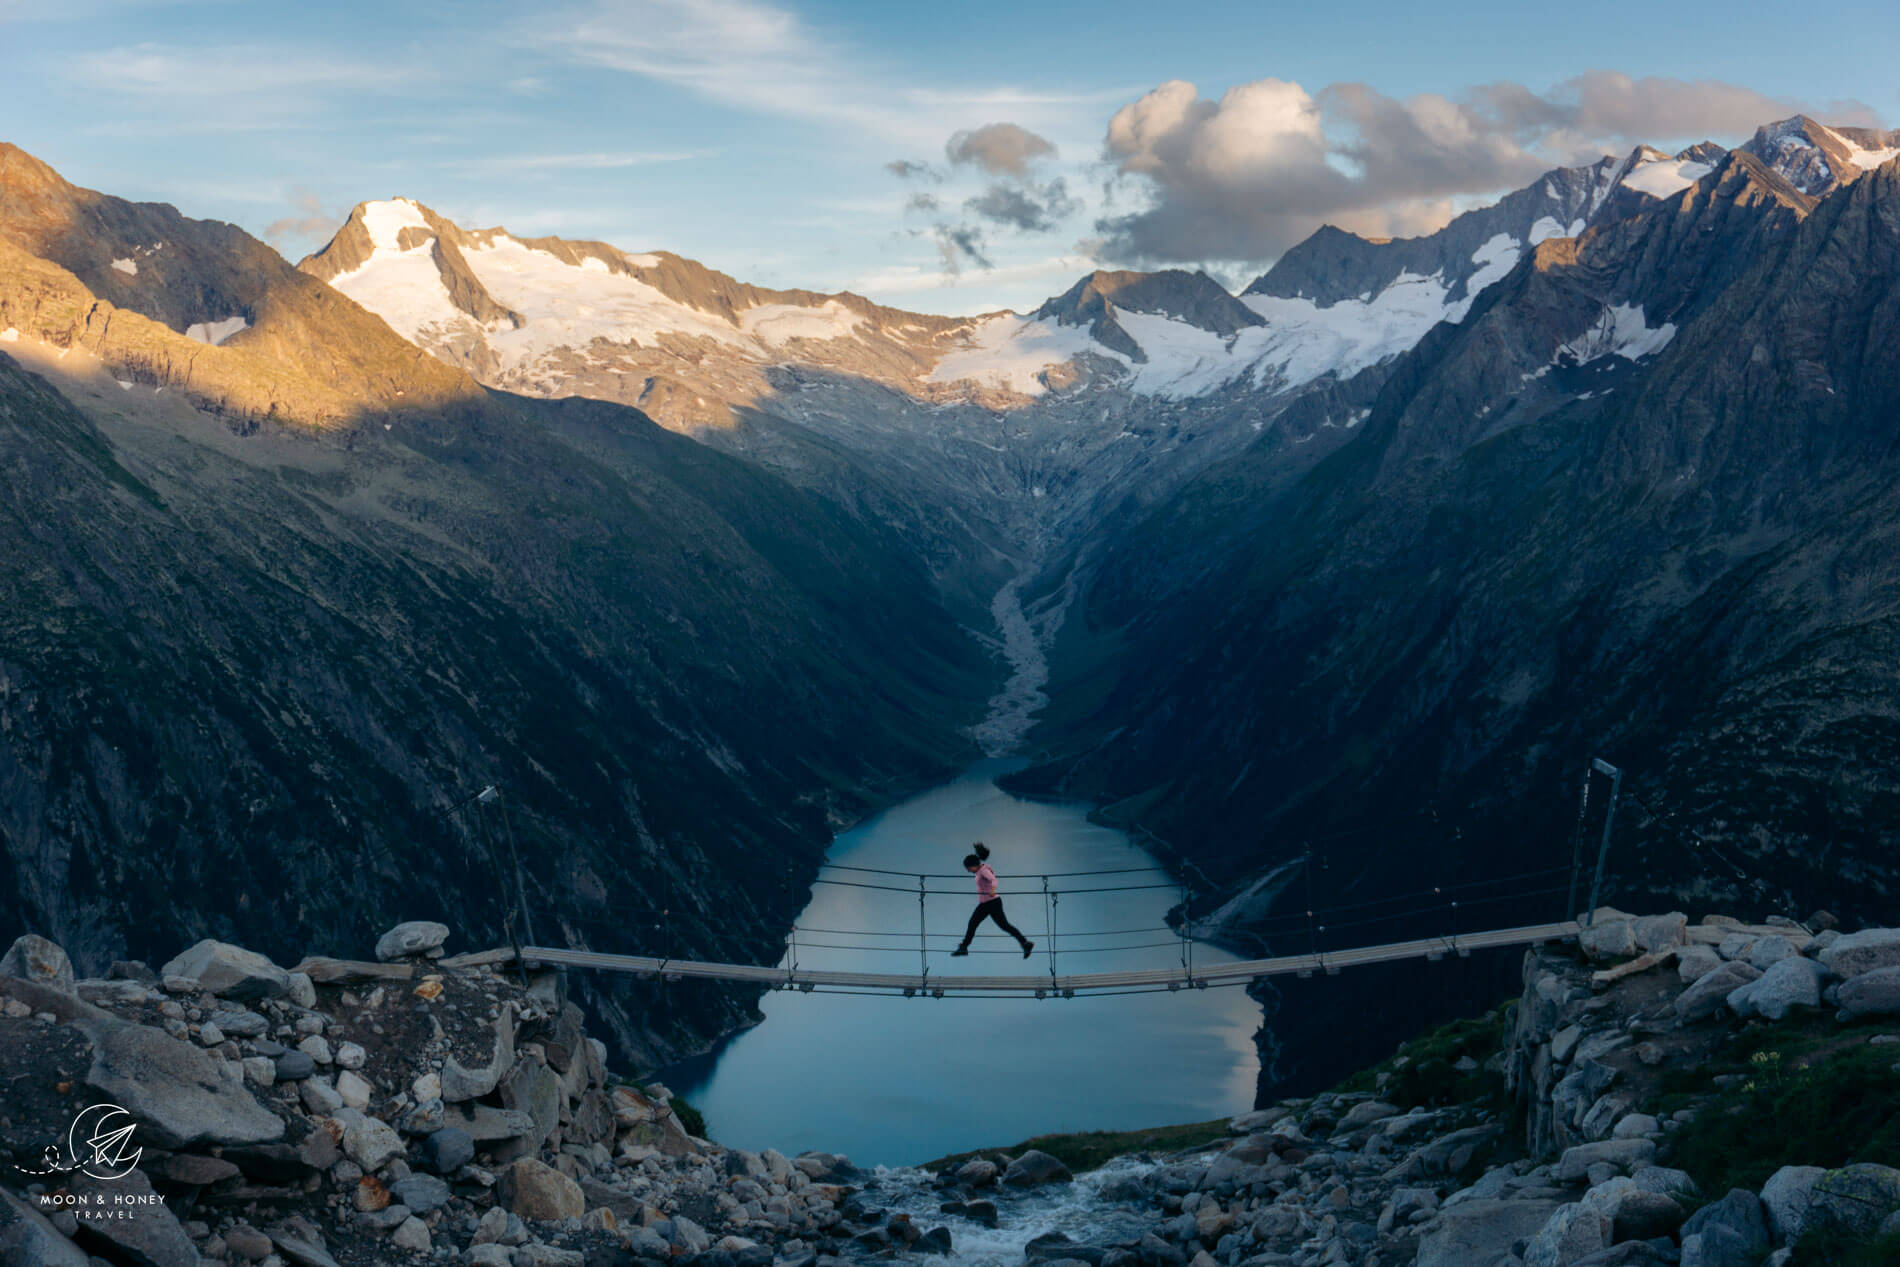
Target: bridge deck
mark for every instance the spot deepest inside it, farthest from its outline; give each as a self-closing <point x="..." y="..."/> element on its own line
<point x="1172" y="977"/>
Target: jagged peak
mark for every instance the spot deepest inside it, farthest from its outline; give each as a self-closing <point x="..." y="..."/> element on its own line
<point x="1192" y="297"/>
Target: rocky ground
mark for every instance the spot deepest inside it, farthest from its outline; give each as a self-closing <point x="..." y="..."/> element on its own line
<point x="420" y="1107"/>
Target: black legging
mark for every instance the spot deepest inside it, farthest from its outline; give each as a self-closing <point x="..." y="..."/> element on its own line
<point x="992" y="909"/>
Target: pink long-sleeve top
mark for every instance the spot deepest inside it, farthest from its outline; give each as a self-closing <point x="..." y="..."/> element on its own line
<point x="985" y="882"/>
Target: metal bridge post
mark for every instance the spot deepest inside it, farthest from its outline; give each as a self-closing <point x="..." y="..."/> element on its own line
<point x="923" y="944"/>
<point x="1181" y="934"/>
<point x="1576" y="847"/>
<point x="1055" y="906"/>
<point x="1187" y="930"/>
<point x="1609" y="816"/>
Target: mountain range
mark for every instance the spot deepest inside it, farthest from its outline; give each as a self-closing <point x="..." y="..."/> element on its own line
<point x="1375" y="553"/>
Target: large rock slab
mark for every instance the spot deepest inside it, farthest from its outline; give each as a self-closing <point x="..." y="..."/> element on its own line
<point x="1625" y="1154"/>
<point x="1855" y="953"/>
<point x="1788" y="983"/>
<point x="1573" y="1232"/>
<point x="1655" y="933"/>
<point x="1785" y="1199"/>
<point x="26" y="1236"/>
<point x="462" y="1083"/>
<point x="1872" y="993"/>
<point x="148" y="1234"/>
<point x="177" y="1092"/>
<point x="230" y="972"/>
<point x="534" y="1190"/>
<point x="1480" y="1233"/>
<point x="532" y="1088"/>
<point x="1614" y="939"/>
<point x="1710" y="994"/>
<point x="1854" y="1200"/>
<point x="411" y="938"/>
<point x="34" y="958"/>
<point x="1739" y="1212"/>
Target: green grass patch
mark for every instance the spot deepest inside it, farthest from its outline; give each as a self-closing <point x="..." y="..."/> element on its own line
<point x="1829" y="1251"/>
<point x="1811" y="1093"/>
<point x="691" y="1118"/>
<point x="1090" y="1150"/>
<point x="1425" y="1071"/>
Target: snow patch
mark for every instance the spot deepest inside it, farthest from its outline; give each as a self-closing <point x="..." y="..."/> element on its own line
<point x="1665" y="178"/>
<point x="1547" y="227"/>
<point x="1009" y="352"/>
<point x="215" y="332"/>
<point x="1867" y="159"/>
<point x="1183" y="359"/>
<point x="778" y="324"/>
<point x="569" y="307"/>
<point x="1302" y="340"/>
<point x="386" y="221"/>
<point x="1494" y="259"/>
<point x="1619" y="330"/>
<point x="129" y="267"/>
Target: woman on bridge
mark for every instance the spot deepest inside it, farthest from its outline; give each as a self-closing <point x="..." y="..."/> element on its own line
<point x="988" y="905"/>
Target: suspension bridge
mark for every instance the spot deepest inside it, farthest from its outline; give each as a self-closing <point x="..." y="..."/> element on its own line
<point x="1048" y="976"/>
<point x="1447" y="909"/>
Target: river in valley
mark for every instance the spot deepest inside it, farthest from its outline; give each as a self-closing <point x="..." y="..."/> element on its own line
<point x="893" y="1080"/>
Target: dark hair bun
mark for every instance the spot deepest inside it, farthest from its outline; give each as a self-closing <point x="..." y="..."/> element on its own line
<point x="982" y="851"/>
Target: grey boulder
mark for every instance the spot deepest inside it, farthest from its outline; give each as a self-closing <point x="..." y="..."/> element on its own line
<point x="1785" y="1199"/>
<point x="34" y="958"/>
<point x="1035" y="1168"/>
<point x="1707" y="996"/>
<point x="1865" y="951"/>
<point x="230" y="972"/>
<point x="1872" y="993"/>
<point x="411" y="938"/>
<point x="151" y="1234"/>
<point x="1788" y="983"/>
<point x="1479" y="1233"/>
<point x="1854" y="1200"/>
<point x="176" y="1091"/>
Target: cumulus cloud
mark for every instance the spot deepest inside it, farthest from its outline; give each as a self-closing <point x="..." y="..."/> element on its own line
<point x="1001" y="149"/>
<point x="1248" y="175"/>
<point x="928" y="203"/>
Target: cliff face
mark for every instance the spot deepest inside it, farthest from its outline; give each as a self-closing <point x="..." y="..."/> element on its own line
<point x="274" y="607"/>
<point x="1635" y="504"/>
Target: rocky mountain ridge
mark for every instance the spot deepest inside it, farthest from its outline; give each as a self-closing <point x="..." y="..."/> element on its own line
<point x="273" y="619"/>
<point x="419" y="1106"/>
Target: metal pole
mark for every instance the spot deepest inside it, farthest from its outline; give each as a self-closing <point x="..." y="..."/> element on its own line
<point x="1609" y="816"/>
<point x="923" y="952"/>
<point x="1182" y="934"/>
<point x="1187" y="931"/>
<point x="1576" y="847"/>
<point x="1055" y="906"/>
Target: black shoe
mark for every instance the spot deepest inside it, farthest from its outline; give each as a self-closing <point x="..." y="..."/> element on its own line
<point x="1027" y="947"/>
<point x="960" y="950"/>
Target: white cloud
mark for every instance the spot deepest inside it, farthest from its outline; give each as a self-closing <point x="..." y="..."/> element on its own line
<point x="504" y="164"/>
<point x="760" y="58"/>
<point x="1244" y="177"/>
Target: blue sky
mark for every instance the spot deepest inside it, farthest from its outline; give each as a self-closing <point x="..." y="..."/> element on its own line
<point x="757" y="137"/>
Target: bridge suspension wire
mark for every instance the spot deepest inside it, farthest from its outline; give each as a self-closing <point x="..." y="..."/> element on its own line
<point x="1439" y="919"/>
